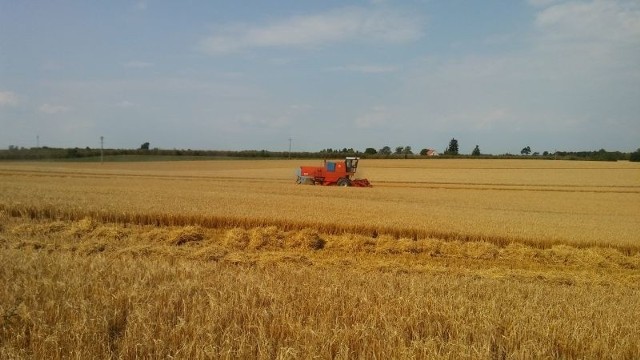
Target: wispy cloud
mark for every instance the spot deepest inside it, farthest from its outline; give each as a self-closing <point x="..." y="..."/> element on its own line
<point x="8" y="98"/>
<point x="375" y="117"/>
<point x="138" y="64"/>
<point x="53" y="109"/>
<point x="541" y="3"/>
<point x="124" y="104"/>
<point x="598" y="38"/>
<point x="367" y="69"/>
<point x="140" y="5"/>
<point x="340" y="25"/>
<point x="595" y="20"/>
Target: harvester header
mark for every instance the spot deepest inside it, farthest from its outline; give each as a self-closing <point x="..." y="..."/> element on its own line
<point x="332" y="172"/>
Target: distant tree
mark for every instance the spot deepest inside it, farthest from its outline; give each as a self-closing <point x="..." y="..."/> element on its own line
<point x="476" y="151"/>
<point x="526" y="150"/>
<point x="144" y="146"/>
<point x="399" y="150"/>
<point x="635" y="156"/>
<point x="453" y="147"/>
<point x="385" y="151"/>
<point x="407" y="150"/>
<point x="536" y="154"/>
<point x="545" y="153"/>
<point x="370" y="151"/>
<point x="424" y="152"/>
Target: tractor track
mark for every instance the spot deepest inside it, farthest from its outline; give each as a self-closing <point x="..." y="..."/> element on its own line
<point x="620" y="189"/>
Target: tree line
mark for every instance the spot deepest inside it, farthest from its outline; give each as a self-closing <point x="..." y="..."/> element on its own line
<point x="404" y="151"/>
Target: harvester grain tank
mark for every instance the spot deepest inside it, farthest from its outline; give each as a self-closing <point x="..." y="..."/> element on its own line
<point x="339" y="173"/>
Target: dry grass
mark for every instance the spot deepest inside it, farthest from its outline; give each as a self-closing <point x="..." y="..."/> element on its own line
<point x="143" y="292"/>
<point x="441" y="259"/>
<point x="534" y="202"/>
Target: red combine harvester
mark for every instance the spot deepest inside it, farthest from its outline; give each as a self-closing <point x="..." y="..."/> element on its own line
<point x="332" y="173"/>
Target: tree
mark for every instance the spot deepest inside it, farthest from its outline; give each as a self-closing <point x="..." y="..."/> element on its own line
<point x="526" y="150"/>
<point x="370" y="151"/>
<point x="399" y="150"/>
<point x="144" y="146"/>
<point x="476" y="151"/>
<point x="385" y="151"/>
<point x="635" y="156"/>
<point x="407" y="150"/>
<point x="453" y="147"/>
<point x="424" y="152"/>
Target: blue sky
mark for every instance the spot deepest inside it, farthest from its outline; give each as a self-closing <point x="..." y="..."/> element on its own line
<point x="551" y="74"/>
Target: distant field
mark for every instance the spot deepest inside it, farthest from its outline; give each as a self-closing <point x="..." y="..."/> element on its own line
<point x="231" y="259"/>
<point x="543" y="202"/>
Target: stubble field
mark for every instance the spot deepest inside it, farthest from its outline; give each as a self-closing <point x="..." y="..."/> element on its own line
<point x="232" y="259"/>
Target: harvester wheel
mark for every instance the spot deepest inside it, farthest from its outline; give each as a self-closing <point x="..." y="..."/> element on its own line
<point x="344" y="182"/>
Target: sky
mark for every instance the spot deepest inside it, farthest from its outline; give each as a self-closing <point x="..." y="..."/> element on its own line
<point x="234" y="75"/>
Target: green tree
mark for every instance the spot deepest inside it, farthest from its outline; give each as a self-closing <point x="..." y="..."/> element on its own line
<point x="370" y="151"/>
<point x="385" y="151"/>
<point x="144" y="146"/>
<point x="526" y="150"/>
<point x="407" y="150"/>
<point x="476" y="151"/>
<point x="453" y="147"/>
<point x="424" y="152"/>
<point x="635" y="156"/>
<point x="399" y="150"/>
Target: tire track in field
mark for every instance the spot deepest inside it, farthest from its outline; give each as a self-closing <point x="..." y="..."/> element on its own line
<point x="619" y="189"/>
<point x="510" y="187"/>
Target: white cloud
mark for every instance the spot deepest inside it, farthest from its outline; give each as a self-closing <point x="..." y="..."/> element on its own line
<point x="598" y="39"/>
<point x="8" y="98"/>
<point x="53" y="109"/>
<point x="579" y="67"/>
<point x="341" y="25"/>
<point x="617" y="21"/>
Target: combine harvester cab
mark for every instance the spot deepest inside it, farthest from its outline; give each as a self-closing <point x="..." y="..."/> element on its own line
<point x="332" y="173"/>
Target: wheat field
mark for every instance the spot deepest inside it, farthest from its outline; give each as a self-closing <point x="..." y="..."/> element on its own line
<point x="231" y="259"/>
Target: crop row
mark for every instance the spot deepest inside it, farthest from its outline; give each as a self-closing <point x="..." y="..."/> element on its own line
<point x="230" y="222"/>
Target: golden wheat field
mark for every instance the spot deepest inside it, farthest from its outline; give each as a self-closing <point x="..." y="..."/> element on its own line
<point x="455" y="258"/>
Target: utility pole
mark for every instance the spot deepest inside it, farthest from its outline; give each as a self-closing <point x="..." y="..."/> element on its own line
<point x="102" y="149"/>
<point x="38" y="141"/>
<point x="290" y="139"/>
